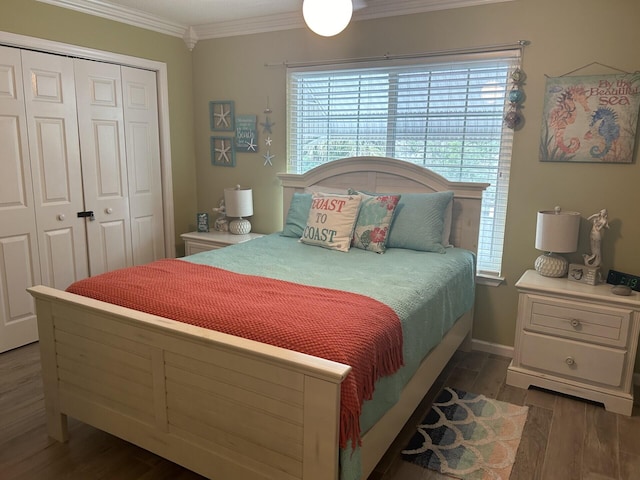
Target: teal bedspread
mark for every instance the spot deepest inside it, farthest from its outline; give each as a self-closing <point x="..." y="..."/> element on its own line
<point x="428" y="292"/>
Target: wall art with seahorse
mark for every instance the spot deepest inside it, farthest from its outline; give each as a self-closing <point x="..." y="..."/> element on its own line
<point x="590" y="118"/>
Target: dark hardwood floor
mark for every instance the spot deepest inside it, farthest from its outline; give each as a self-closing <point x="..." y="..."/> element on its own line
<point x="564" y="438"/>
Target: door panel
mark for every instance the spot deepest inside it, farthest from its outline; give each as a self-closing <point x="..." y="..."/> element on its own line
<point x="19" y="257"/>
<point x="143" y="164"/>
<point x="12" y="171"/>
<point x="104" y="164"/>
<point x="55" y="161"/>
<point x="108" y="174"/>
<point x="60" y="248"/>
<point x="17" y="272"/>
<point x="113" y="238"/>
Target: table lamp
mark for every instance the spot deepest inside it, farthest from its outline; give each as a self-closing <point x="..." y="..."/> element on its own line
<point x="556" y="232"/>
<point x="238" y="203"/>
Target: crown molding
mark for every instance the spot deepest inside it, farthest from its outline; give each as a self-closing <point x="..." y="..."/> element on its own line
<point x="410" y="7"/>
<point x="120" y="14"/>
<point x="246" y="26"/>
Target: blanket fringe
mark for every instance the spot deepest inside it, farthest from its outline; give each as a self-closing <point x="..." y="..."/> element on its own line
<point x="388" y="364"/>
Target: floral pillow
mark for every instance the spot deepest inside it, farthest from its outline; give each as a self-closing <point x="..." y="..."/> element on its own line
<point x="331" y="220"/>
<point x="374" y="221"/>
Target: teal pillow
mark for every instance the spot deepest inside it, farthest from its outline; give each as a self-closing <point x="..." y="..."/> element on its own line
<point x="297" y="215"/>
<point x="419" y="222"/>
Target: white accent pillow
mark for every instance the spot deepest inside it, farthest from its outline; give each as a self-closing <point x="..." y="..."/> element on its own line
<point x="331" y="221"/>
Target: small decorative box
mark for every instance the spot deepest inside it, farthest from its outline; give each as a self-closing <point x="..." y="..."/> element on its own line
<point x="584" y="274"/>
<point x="203" y="222"/>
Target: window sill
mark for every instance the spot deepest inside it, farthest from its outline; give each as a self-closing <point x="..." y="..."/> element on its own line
<point x="489" y="280"/>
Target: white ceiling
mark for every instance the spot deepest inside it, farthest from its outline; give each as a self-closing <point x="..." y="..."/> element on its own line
<point x="195" y="20"/>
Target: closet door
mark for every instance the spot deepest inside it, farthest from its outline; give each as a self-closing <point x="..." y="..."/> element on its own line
<point x="143" y="164"/>
<point x="19" y="258"/>
<point x="55" y="165"/>
<point x="104" y="165"/>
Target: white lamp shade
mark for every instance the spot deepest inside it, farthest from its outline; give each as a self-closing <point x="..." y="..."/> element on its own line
<point x="327" y="17"/>
<point x="238" y="202"/>
<point x="557" y="231"/>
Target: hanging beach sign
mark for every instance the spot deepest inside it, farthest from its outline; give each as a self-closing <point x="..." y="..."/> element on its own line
<point x="590" y="118"/>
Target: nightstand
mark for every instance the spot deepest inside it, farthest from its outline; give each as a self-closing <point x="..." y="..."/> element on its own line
<point x="576" y="339"/>
<point x="196" y="242"/>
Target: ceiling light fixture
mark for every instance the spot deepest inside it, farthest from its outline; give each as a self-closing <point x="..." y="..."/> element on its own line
<point x="327" y="17"/>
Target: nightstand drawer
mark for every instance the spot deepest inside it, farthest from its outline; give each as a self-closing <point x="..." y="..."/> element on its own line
<point x="575" y="360"/>
<point x="577" y="320"/>
<point x="196" y="242"/>
<point x="191" y="247"/>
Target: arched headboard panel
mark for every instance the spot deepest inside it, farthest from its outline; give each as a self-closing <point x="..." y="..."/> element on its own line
<point x="389" y="175"/>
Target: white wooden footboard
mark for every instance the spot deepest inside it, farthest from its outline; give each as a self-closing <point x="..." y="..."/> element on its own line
<point x="220" y="405"/>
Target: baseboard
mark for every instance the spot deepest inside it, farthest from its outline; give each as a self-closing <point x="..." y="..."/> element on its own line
<point x="494" y="348"/>
<point x="507" y="351"/>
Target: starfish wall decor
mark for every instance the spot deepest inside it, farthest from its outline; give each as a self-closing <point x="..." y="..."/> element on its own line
<point x="223" y="152"/>
<point x="267" y="125"/>
<point x="246" y="133"/>
<point x="222" y="115"/>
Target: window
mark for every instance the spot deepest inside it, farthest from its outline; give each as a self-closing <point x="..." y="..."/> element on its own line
<point x="446" y="115"/>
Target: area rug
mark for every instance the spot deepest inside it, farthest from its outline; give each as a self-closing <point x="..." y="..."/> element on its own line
<point x="468" y="436"/>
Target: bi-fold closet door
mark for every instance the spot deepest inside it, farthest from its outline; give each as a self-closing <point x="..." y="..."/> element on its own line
<point x="120" y="157"/>
<point x="80" y="186"/>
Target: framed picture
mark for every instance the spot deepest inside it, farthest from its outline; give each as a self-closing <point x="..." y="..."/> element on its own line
<point x="590" y="118"/>
<point x="223" y="151"/>
<point x="246" y="133"/>
<point x="222" y="115"/>
<point x="584" y="274"/>
<point x="203" y="222"/>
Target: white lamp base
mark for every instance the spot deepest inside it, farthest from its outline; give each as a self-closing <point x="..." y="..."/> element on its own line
<point x="240" y="226"/>
<point x="551" y="265"/>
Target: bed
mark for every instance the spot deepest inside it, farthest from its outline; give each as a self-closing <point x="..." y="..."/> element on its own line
<point x="116" y="368"/>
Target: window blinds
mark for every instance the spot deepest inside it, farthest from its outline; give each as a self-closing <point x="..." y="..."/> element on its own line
<point x="445" y="115"/>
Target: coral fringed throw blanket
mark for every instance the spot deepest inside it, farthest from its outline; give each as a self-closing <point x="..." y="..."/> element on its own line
<point x="341" y="326"/>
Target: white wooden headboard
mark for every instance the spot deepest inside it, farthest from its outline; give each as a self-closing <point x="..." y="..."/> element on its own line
<point x="381" y="174"/>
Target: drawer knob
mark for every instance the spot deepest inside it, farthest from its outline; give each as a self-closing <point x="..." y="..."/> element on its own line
<point x="569" y="361"/>
<point x="575" y="323"/>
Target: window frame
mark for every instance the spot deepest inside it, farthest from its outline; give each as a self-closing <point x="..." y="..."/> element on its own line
<point x="510" y="58"/>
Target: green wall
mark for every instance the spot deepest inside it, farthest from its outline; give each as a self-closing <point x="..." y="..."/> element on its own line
<point x="564" y="35"/>
<point x="34" y="19"/>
